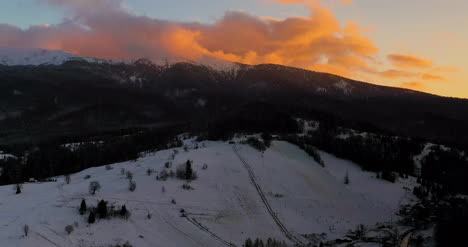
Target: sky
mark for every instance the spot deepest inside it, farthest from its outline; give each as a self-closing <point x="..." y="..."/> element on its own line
<point x="417" y="44"/>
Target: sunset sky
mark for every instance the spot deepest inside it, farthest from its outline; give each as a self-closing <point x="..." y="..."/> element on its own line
<point x="417" y="44"/>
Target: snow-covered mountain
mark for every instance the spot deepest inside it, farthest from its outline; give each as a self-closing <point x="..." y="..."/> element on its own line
<point x="17" y="56"/>
<point x="35" y="57"/>
<point x="240" y="193"/>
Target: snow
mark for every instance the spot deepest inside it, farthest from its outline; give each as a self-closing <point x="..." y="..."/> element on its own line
<point x="344" y="86"/>
<point x="16" y="56"/>
<point x="224" y="205"/>
<point x="4" y="155"/>
<point x="35" y="57"/>
<point x="420" y="157"/>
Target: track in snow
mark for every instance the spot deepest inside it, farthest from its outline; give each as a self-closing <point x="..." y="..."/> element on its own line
<point x="253" y="179"/>
<point x="198" y="225"/>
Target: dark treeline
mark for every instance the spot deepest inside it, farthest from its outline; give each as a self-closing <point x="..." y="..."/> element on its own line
<point x="447" y="166"/>
<point x="53" y="158"/>
<point x="377" y="153"/>
<point x="387" y="155"/>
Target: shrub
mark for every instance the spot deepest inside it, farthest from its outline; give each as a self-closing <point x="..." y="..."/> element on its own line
<point x="69" y="229"/>
<point x="108" y="167"/>
<point x="87" y="177"/>
<point x="26" y="230"/>
<point x="389" y="176"/>
<point x="83" y="207"/>
<point x="131" y="185"/>
<point x="187" y="187"/>
<point x="205" y="166"/>
<point x="122" y="171"/>
<point x="129" y="175"/>
<point x="67" y="179"/>
<point x="18" y="188"/>
<point x="149" y="171"/>
<point x="256" y="143"/>
<point x="102" y="209"/>
<point x="346" y="179"/>
<point x="91" y="218"/>
<point x="168" y="164"/>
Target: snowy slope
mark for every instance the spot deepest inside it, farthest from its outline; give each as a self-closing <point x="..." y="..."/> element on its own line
<point x="16" y="56"/>
<point x="224" y="207"/>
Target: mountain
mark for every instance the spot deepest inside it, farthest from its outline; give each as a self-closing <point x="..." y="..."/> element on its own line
<point x="92" y="95"/>
<point x="18" y="56"/>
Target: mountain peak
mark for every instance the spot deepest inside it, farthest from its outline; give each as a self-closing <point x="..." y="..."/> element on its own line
<point x="37" y="56"/>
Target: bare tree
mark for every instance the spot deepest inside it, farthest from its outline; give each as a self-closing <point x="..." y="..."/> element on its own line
<point x="94" y="187"/>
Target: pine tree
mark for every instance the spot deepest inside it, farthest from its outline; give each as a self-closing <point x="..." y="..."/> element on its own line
<point x="83" y="207"/>
<point x="123" y="211"/>
<point x="18" y="189"/>
<point x="188" y="170"/>
<point x="248" y="243"/>
<point x="102" y="209"/>
<point x="346" y="179"/>
<point x="91" y="218"/>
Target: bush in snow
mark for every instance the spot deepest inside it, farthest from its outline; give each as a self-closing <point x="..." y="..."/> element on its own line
<point x="256" y="143"/>
<point x="149" y="171"/>
<point x="205" y="166"/>
<point x="108" y="167"/>
<point x="163" y="189"/>
<point x="18" y="188"/>
<point x="87" y="177"/>
<point x="91" y="218"/>
<point x="94" y="186"/>
<point x="187" y="187"/>
<point x="389" y="176"/>
<point x="267" y="138"/>
<point x="83" y="207"/>
<point x="346" y="179"/>
<point x="129" y="175"/>
<point x="122" y="171"/>
<point x="131" y="185"/>
<point x="168" y="164"/>
<point x="69" y="229"/>
<point x="102" y="209"/>
<point x="67" y="179"/>
<point x="26" y="230"/>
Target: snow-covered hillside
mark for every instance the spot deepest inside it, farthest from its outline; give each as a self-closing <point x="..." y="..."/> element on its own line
<point x="35" y="57"/>
<point x="16" y="56"/>
<point x="242" y="193"/>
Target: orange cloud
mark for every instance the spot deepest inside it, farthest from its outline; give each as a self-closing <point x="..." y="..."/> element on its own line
<point x="413" y="86"/>
<point x="102" y="28"/>
<point x="393" y="74"/>
<point x="432" y="77"/>
<point x="408" y="61"/>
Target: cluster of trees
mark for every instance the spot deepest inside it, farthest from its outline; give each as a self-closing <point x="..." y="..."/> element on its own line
<point x="103" y="211"/>
<point x="446" y="166"/>
<point x="378" y="153"/>
<point x="53" y="158"/>
<point x="270" y="242"/>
